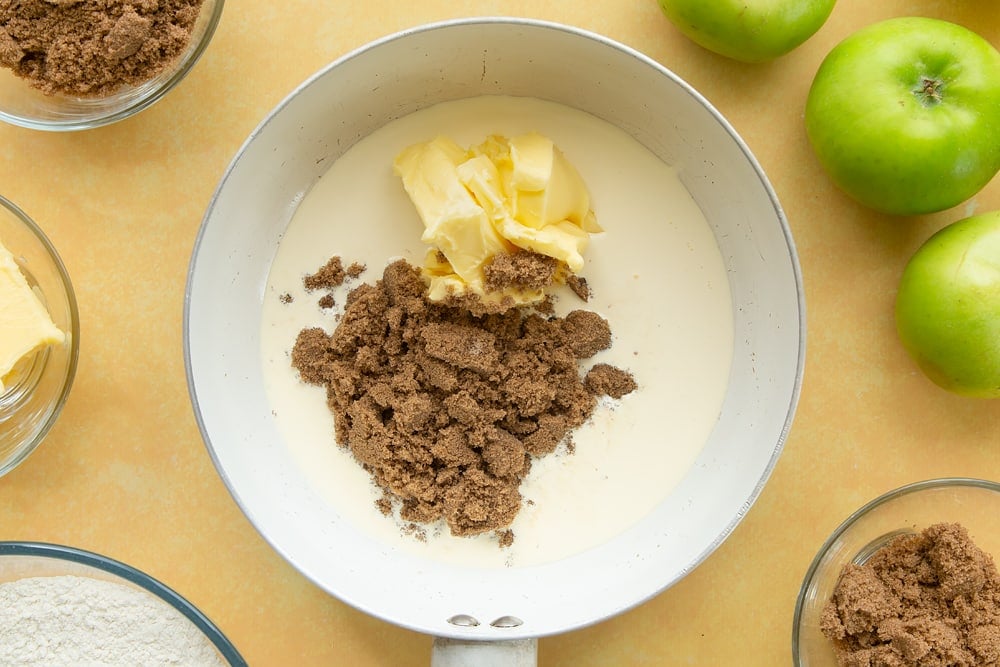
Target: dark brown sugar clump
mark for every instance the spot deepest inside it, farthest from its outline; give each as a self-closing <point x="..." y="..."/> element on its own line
<point x="522" y="269"/>
<point x="930" y="599"/>
<point x="446" y="409"/>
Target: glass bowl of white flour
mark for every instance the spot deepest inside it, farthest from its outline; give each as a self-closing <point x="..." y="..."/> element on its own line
<point x="61" y="606"/>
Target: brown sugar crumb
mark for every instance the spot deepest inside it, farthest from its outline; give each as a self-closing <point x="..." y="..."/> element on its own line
<point x="588" y="333"/>
<point x="578" y="285"/>
<point x="505" y="538"/>
<point x="93" y="47"/>
<point x="518" y="270"/>
<point x="522" y="269"/>
<point x="328" y="276"/>
<point x="444" y="408"/>
<point x="608" y="380"/>
<point x="10" y="53"/>
<point x="415" y="531"/>
<point x="477" y="306"/>
<point x="546" y="306"/>
<point x="928" y="599"/>
<point x="127" y="35"/>
<point x="286" y="298"/>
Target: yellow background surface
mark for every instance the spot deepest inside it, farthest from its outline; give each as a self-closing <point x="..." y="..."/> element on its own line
<point x="125" y="473"/>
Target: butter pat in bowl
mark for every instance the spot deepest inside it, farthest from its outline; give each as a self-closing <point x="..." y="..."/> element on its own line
<point x="39" y="335"/>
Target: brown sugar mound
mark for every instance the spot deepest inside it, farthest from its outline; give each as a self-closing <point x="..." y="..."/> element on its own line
<point x="444" y="408"/>
<point x="91" y="48"/>
<point x="929" y="599"/>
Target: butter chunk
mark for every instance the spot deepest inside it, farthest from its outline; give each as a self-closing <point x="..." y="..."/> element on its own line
<point x="497" y="197"/>
<point x="562" y="240"/>
<point x="454" y="222"/>
<point x="547" y="189"/>
<point x="25" y="324"/>
<point x="533" y="160"/>
<point x="481" y="176"/>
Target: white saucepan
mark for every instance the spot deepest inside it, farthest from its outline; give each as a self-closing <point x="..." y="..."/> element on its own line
<point x="481" y="615"/>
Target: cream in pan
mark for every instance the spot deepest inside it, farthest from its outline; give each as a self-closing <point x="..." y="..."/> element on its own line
<point x="656" y="274"/>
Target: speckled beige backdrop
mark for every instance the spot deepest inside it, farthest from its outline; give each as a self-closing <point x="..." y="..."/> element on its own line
<point x="125" y="473"/>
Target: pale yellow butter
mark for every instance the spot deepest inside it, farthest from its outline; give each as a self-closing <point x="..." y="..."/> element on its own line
<point x="454" y="222"/>
<point x="546" y="189"/>
<point x="25" y="324"/>
<point x="493" y="198"/>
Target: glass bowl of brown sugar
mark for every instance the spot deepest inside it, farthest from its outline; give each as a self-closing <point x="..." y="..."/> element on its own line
<point x="40" y="328"/>
<point x="910" y="578"/>
<point x="80" y="64"/>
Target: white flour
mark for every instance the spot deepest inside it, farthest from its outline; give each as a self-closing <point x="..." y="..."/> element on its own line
<point x="85" y="622"/>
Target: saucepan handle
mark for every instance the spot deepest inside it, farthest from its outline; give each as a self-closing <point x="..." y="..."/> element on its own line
<point x="466" y="653"/>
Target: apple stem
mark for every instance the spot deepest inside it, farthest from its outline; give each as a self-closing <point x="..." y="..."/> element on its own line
<point x="929" y="92"/>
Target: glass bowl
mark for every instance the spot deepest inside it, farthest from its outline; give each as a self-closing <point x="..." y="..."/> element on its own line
<point x="973" y="503"/>
<point x="24" y="105"/>
<point x="22" y="560"/>
<point x="31" y="402"/>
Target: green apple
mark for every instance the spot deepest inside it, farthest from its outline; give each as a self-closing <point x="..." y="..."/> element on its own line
<point x="904" y="115"/>
<point x="948" y="306"/>
<point x="748" y="30"/>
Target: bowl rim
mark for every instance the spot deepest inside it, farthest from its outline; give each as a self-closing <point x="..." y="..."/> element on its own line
<point x="132" y="575"/>
<point x="854" y="517"/>
<point x="74" y="335"/>
<point x="188" y="59"/>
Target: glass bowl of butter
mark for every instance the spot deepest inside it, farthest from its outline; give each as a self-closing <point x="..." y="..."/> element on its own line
<point x="39" y="335"/>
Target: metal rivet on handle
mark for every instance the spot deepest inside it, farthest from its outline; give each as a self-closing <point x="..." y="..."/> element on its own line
<point x="463" y="620"/>
<point x="507" y="622"/>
